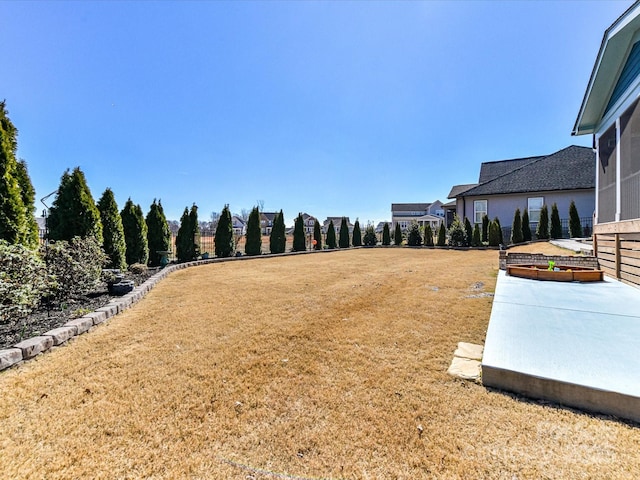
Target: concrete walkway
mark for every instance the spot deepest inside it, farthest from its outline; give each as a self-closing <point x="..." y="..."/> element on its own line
<point x="577" y="344"/>
<point x="574" y="245"/>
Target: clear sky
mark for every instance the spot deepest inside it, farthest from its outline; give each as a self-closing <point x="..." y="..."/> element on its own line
<point x="330" y="108"/>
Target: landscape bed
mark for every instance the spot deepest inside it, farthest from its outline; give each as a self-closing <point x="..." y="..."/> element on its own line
<point x="330" y="365"/>
<point x="560" y="273"/>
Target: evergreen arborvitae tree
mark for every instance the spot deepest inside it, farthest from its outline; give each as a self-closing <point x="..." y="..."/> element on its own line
<point x="442" y="236"/>
<point x="457" y="233"/>
<point x="194" y="232"/>
<point x="575" y="227"/>
<point x="299" y="243"/>
<point x="135" y="234"/>
<point x="468" y="230"/>
<point x="224" y="234"/>
<point x="278" y="239"/>
<point x="317" y="235"/>
<point x="253" y="245"/>
<point x="516" y="228"/>
<point x="28" y="194"/>
<point x="357" y="235"/>
<point x="485" y="228"/>
<point x="542" y="232"/>
<point x="158" y="233"/>
<point x="16" y="191"/>
<point x="397" y="235"/>
<point x="370" y="238"/>
<point x="428" y="236"/>
<point x="495" y="234"/>
<point x="74" y="213"/>
<point x="331" y="235"/>
<point x="343" y="241"/>
<point x="526" y="226"/>
<point x="497" y="222"/>
<point x="476" y="240"/>
<point x="183" y="245"/>
<point x="556" y="226"/>
<point x="112" y="231"/>
<point x="386" y="235"/>
<point x="414" y="239"/>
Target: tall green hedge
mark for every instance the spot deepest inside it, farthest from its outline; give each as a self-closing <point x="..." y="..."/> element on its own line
<point x="112" y="231"/>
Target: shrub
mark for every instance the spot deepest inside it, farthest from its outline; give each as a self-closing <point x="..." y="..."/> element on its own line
<point x="475" y="237"/>
<point x="277" y="238"/>
<point x="135" y="233"/>
<point x="428" y="236"/>
<point x="495" y="234"/>
<point x="158" y="233"/>
<point x="331" y="235"/>
<point x="23" y="281"/>
<point x="442" y="236"/>
<point x="75" y="266"/>
<point x="496" y="220"/>
<point x="299" y="243"/>
<point x="138" y="268"/>
<point x="526" y="226"/>
<point x="457" y="233"/>
<point x="370" y="238"/>
<point x="397" y="237"/>
<point x="468" y="229"/>
<point x="343" y="242"/>
<point x="224" y="234"/>
<point x="253" y="245"/>
<point x="542" y="232"/>
<point x="414" y="239"/>
<point x="386" y="235"/>
<point x="516" y="228"/>
<point x="575" y="228"/>
<point x="112" y="231"/>
<point x="357" y="235"/>
<point x="556" y="226"/>
<point x="485" y="228"/>
<point x="317" y="235"/>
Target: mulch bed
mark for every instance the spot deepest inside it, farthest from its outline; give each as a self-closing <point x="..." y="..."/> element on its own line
<point x="50" y="316"/>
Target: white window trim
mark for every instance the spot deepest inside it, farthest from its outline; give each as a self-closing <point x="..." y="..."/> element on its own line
<point x="476" y="210"/>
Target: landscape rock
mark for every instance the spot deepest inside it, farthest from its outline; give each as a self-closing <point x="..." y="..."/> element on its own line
<point x="61" y="334"/>
<point x="83" y="324"/>
<point x="34" y="346"/>
<point x="10" y="356"/>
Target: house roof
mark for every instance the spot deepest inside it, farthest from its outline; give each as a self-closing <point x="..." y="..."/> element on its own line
<point x="572" y="168"/>
<point x="409" y="207"/>
<point x="611" y="83"/>
<point x="269" y="215"/>
<point x="456" y="190"/>
<point x="491" y="170"/>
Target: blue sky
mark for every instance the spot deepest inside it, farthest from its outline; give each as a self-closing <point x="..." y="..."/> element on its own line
<point x="330" y="108"/>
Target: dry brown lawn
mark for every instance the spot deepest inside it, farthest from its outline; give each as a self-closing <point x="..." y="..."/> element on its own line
<point x="330" y="365"/>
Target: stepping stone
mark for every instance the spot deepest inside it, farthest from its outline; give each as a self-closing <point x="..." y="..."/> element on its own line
<point x="465" y="368"/>
<point x="469" y="350"/>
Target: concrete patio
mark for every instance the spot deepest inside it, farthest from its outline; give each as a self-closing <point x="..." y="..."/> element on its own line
<point x="577" y="344"/>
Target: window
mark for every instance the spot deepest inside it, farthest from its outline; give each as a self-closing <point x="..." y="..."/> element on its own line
<point x="479" y="210"/>
<point x="534" y="205"/>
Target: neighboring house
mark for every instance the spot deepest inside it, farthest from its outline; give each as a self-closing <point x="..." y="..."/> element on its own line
<point x="405" y="214"/>
<point x="238" y="225"/>
<point x="610" y="111"/>
<point x="309" y="222"/>
<point x="266" y="222"/>
<point x="337" y="223"/>
<point x="529" y="183"/>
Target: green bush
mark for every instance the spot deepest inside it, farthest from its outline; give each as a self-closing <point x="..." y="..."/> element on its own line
<point x="575" y="228"/>
<point x="224" y="234"/>
<point x="75" y="266"/>
<point x="485" y="228"/>
<point x="138" y="268"/>
<point x="370" y="238"/>
<point x="135" y="233"/>
<point x="397" y="237"/>
<point x="23" y="281"/>
<point x="468" y="230"/>
<point x="442" y="236"/>
<point x="526" y="226"/>
<point x="414" y="239"/>
<point x="253" y="245"/>
<point x="495" y="234"/>
<point x="158" y="233"/>
<point x="542" y="232"/>
<point x="386" y="235"/>
<point x="516" y="228"/>
<point x="457" y="233"/>
<point x="299" y="241"/>
<point x="112" y="231"/>
<point x="331" y="236"/>
<point x="556" y="226"/>
<point x="496" y="220"/>
<point x="357" y="235"/>
<point x="428" y="236"/>
<point x="317" y="235"/>
<point x="476" y="240"/>
<point x="278" y="238"/>
<point x="343" y="241"/>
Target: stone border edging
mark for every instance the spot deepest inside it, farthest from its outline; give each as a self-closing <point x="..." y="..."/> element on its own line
<point x="32" y="347"/>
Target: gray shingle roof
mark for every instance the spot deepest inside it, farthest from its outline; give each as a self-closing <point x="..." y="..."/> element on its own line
<point x="456" y="190"/>
<point x="491" y="170"/>
<point x="572" y="168"/>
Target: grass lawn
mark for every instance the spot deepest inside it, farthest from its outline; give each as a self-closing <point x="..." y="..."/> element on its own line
<point x="331" y="365"/>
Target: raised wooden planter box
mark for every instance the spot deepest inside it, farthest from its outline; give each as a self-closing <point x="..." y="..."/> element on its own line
<point x="564" y="274"/>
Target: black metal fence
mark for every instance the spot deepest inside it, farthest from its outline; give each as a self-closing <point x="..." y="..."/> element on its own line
<point x="586" y="222"/>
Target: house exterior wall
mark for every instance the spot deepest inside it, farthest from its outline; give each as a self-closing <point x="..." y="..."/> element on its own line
<point x="504" y="206"/>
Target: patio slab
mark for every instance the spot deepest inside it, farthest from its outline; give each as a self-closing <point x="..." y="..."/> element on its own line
<point x="575" y="344"/>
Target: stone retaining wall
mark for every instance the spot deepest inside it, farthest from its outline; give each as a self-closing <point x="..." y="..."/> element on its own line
<point x="515" y="258"/>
